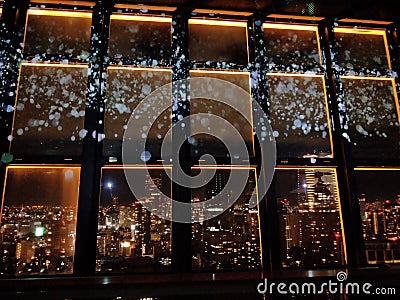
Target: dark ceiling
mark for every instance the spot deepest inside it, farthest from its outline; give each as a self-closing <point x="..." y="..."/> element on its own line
<point x="363" y="9"/>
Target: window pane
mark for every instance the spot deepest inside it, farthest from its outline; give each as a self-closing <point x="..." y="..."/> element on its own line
<point x="379" y="198"/>
<point x="309" y="218"/>
<point x="140" y="37"/>
<point x="218" y="41"/>
<point x="129" y="237"/>
<point x="231" y="240"/>
<point x="58" y="32"/>
<point x="358" y="50"/>
<point x="126" y="88"/>
<point x="38" y="225"/>
<point x="209" y="143"/>
<point x="292" y="45"/>
<point x="50" y="110"/>
<point x="372" y="109"/>
<point x="298" y="110"/>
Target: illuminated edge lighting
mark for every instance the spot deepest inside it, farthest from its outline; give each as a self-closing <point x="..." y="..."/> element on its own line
<point x="141" y="18"/>
<point x="55" y="64"/>
<point x="139" y="68"/>
<point x="223" y="167"/>
<point x="295" y="17"/>
<point x="334" y="170"/>
<point x="37" y="166"/>
<point x="222" y="12"/>
<point x="248" y="91"/>
<point x="378" y="32"/>
<point x="144" y="6"/>
<point x="394" y="90"/>
<point x="66" y="2"/>
<point x="218" y="23"/>
<point x="58" y="13"/>
<point x="137" y="167"/>
<point x="325" y="98"/>
<point x="377" y="169"/>
<point x="305" y="27"/>
<point x="365" y="21"/>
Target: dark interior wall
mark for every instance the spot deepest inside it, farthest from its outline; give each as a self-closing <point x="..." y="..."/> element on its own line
<point x="362" y="9"/>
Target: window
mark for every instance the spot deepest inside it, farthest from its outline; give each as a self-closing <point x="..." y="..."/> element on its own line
<point x="379" y="199"/>
<point x="130" y="238"/>
<point x="231" y="240"/>
<point x="218" y="41"/>
<point x="309" y="217"/>
<point x="299" y="114"/>
<point x="38" y="226"/>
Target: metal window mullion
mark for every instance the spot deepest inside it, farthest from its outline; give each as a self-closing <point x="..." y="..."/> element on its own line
<point x="181" y="232"/>
<point x="89" y="190"/>
<point x="350" y="210"/>
<point x="268" y="209"/>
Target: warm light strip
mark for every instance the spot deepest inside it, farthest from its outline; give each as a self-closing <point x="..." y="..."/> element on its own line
<point x="367" y="78"/>
<point x="66" y="2"/>
<point x="217" y="23"/>
<point x="296" y="74"/>
<point x="360" y="30"/>
<point x="143" y="6"/>
<point x="290" y="26"/>
<point x="139" y="69"/>
<point x="54" y="65"/>
<point x="59" y="13"/>
<point x="377" y="169"/>
<point x="220" y="72"/>
<point x="307" y="18"/>
<point x="305" y="168"/>
<point x="33" y="166"/>
<point x="224" y="167"/>
<point x="222" y="12"/>
<point x="137" y="167"/>
<point x="141" y="18"/>
<point x="386" y="23"/>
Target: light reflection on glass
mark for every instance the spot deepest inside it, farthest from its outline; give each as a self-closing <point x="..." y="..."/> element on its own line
<point x="129" y="238"/>
<point x="38" y="225"/>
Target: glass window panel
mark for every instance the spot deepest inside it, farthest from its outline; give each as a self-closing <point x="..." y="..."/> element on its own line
<point x="209" y="143"/>
<point x="309" y="217"/>
<point x="218" y="41"/>
<point x="362" y="48"/>
<point x="38" y="225"/>
<point x="289" y="45"/>
<point x="373" y="113"/>
<point x="140" y="37"/>
<point x="126" y="88"/>
<point x="231" y="240"/>
<point x="129" y="237"/>
<point x="378" y="194"/>
<point x="50" y="110"/>
<point x="57" y="32"/>
<point x="299" y="114"/>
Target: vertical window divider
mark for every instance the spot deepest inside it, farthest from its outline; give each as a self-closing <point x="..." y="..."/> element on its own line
<point x="86" y="242"/>
<point x="349" y="208"/>
<point x="181" y="232"/>
<point x="268" y="213"/>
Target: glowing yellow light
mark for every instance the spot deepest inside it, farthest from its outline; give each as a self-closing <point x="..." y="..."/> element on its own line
<point x="223" y="167"/>
<point x="217" y="23"/>
<point x="222" y="12"/>
<point x="55" y="64"/>
<point x="138" y="167"/>
<point x="58" y="13"/>
<point x="141" y="18"/>
<point x="139" y="69"/>
<point x="294" y="18"/>
<point x="125" y="244"/>
<point x="386" y="23"/>
<point x="286" y="26"/>
<point x="360" y="30"/>
<point x="377" y="169"/>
